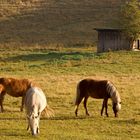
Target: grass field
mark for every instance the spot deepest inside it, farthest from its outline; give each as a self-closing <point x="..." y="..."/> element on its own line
<point x="57" y="70"/>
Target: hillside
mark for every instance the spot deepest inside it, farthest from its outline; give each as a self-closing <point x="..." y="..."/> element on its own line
<point x="39" y="22"/>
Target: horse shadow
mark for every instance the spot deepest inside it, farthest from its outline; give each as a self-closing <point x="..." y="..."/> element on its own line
<point x="62" y="118"/>
<point x="132" y="121"/>
<point x="12" y="119"/>
<point x="15" y="132"/>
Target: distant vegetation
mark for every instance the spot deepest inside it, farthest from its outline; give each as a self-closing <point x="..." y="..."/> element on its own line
<point x="41" y="22"/>
<point x="130" y="20"/>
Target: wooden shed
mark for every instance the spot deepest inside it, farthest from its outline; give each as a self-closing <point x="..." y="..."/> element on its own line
<point x="112" y="40"/>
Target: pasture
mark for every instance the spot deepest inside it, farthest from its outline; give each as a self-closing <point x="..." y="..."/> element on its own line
<point x="57" y="70"/>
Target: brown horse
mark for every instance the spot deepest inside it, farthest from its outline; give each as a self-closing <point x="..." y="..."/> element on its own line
<point x="99" y="89"/>
<point x="15" y="88"/>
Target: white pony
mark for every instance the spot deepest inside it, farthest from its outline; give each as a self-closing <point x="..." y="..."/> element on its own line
<point x="35" y="103"/>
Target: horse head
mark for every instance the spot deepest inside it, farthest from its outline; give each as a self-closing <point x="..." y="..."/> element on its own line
<point x="116" y="108"/>
<point x="33" y="122"/>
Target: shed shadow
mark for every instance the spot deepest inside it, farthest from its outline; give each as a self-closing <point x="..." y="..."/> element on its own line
<point x="52" y="56"/>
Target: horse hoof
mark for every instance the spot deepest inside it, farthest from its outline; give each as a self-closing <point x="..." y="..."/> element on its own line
<point x="1" y="111"/>
<point x="87" y="114"/>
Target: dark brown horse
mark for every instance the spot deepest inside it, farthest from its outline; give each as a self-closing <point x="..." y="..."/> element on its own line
<point x="99" y="89"/>
<point x="15" y="88"/>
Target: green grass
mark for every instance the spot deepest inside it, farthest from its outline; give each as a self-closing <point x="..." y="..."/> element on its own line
<point x="57" y="71"/>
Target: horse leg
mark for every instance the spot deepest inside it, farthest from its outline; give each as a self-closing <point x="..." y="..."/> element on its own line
<point x="28" y="127"/>
<point x="85" y="106"/>
<point x="22" y="103"/>
<point x="38" y="131"/>
<point x="1" y="100"/>
<point x="39" y="114"/>
<point x="106" y="100"/>
<point x="102" y="107"/>
<point x="77" y="105"/>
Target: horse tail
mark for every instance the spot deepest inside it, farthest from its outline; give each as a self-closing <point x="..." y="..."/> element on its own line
<point x="47" y="112"/>
<point x="77" y="94"/>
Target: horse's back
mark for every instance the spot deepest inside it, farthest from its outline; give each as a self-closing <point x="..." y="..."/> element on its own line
<point x="35" y="96"/>
<point x="93" y="88"/>
<point x="20" y="86"/>
<point x="15" y="87"/>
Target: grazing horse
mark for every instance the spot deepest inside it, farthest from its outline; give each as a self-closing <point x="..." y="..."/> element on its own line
<point x="99" y="89"/>
<point x="15" y="88"/>
<point x="36" y="104"/>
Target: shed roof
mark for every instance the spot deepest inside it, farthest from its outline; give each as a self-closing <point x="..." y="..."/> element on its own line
<point x="108" y="29"/>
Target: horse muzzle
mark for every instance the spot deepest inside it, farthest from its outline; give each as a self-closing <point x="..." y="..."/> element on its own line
<point x="35" y="132"/>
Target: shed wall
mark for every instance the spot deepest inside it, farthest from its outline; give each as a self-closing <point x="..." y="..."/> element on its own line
<point x="111" y="41"/>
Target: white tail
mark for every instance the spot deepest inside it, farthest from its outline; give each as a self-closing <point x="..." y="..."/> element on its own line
<point x="47" y="112"/>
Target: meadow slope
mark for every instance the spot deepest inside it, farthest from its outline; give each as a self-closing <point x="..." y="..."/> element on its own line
<point x="41" y="22"/>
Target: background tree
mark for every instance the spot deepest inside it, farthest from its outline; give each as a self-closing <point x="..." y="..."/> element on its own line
<point x="130" y="19"/>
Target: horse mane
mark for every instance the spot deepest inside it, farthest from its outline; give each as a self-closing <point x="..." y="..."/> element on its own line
<point x="113" y="93"/>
